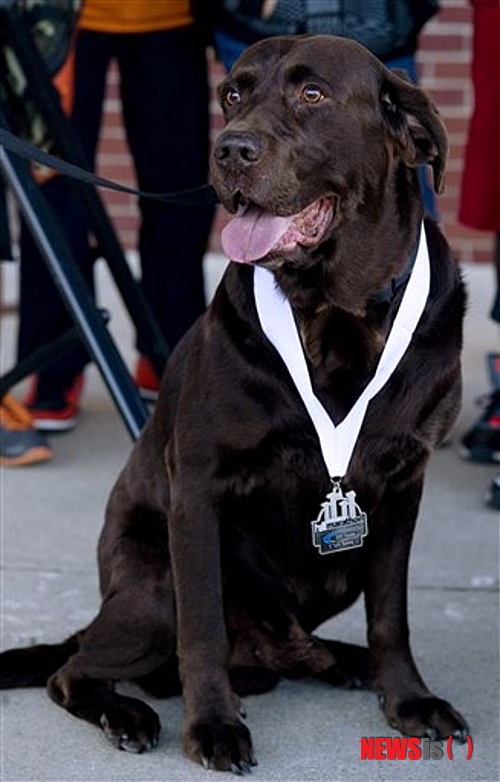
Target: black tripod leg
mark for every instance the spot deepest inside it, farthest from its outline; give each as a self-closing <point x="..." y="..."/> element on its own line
<point x="74" y="291"/>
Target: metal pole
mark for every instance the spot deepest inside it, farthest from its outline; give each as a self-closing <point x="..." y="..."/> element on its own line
<point x="74" y="292"/>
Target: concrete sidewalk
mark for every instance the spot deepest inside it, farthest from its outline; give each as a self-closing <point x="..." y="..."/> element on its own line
<point x="50" y="519"/>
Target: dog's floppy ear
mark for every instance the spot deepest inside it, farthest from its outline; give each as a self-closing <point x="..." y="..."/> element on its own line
<point x="416" y="124"/>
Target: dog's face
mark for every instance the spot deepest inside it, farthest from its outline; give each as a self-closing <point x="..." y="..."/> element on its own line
<point x="317" y="130"/>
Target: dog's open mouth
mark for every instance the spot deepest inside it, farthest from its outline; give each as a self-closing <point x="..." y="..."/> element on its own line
<point x="255" y="233"/>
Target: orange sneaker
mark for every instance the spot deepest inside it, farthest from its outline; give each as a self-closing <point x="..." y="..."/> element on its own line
<point x="146" y="379"/>
<point x="20" y="443"/>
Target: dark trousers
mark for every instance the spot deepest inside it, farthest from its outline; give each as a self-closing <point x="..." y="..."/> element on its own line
<point x="164" y="95"/>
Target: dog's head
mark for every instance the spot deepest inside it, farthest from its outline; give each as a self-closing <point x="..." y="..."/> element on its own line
<point x="319" y="135"/>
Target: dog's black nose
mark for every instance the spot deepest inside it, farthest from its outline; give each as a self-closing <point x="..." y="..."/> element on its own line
<point x="237" y="149"/>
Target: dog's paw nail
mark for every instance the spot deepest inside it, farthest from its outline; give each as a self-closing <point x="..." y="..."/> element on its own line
<point x="104" y="722"/>
<point x="134" y="747"/>
<point x="461" y="734"/>
<point x="242" y="767"/>
<point x="431" y="733"/>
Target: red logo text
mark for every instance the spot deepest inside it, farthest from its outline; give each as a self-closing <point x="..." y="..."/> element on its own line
<point x="407" y="748"/>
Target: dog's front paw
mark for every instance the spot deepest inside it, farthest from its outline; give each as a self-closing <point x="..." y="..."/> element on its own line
<point x="131" y="725"/>
<point x="427" y="717"/>
<point x="220" y="745"/>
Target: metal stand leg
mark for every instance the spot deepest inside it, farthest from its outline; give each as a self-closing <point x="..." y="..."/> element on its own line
<point x="74" y="292"/>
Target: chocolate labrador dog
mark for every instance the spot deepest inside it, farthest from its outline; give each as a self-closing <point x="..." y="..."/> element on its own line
<point x="231" y="534"/>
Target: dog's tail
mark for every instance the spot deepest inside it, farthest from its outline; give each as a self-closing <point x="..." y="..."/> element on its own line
<point x="32" y="666"/>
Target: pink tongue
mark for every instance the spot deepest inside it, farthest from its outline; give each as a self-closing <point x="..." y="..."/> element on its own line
<point x="253" y="235"/>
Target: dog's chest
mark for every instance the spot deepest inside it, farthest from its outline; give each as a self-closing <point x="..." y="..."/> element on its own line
<point x="341" y="354"/>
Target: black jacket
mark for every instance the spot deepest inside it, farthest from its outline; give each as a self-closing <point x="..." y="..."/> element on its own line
<point x="389" y="28"/>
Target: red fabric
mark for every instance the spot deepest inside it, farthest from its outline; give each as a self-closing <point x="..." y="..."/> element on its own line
<point x="480" y="193"/>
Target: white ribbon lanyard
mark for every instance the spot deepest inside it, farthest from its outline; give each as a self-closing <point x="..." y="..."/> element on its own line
<point x="277" y="321"/>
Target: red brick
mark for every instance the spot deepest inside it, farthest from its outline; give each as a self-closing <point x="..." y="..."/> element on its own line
<point x="443" y="43"/>
<point x="448" y="97"/>
<point x="451" y="70"/>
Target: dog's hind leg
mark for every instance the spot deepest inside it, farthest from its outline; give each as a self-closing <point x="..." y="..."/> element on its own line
<point x="131" y="637"/>
<point x="351" y="666"/>
<point x="128" y="723"/>
<point x="299" y="654"/>
<point x="164" y="681"/>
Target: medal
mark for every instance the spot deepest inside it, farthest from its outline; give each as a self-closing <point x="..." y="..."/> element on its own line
<point x="340" y="525"/>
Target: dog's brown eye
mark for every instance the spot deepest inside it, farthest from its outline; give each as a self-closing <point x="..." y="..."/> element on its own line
<point x="311" y="94"/>
<point x="232" y="96"/>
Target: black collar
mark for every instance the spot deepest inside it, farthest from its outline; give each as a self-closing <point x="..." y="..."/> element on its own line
<point x="387" y="294"/>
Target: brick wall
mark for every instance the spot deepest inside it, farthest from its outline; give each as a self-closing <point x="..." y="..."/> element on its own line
<point x="444" y="61"/>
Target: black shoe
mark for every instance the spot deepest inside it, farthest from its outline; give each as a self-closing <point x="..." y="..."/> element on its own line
<point x="493" y="495"/>
<point x="482" y="442"/>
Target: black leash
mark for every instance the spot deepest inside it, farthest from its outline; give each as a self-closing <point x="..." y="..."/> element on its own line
<point x="197" y="196"/>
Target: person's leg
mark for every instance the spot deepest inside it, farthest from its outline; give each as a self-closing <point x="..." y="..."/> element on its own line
<point x="43" y="315"/>
<point x="93" y="55"/>
<point x="165" y="107"/>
